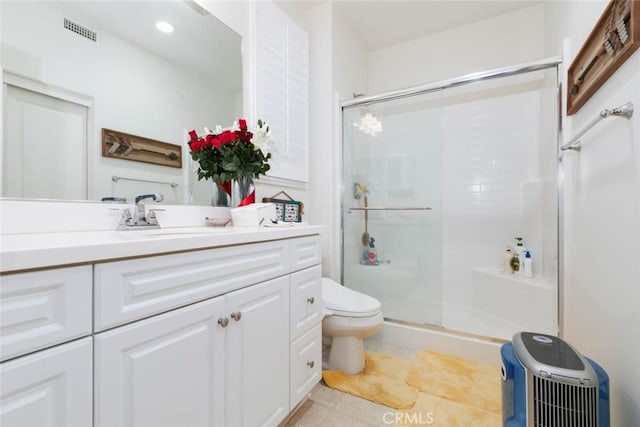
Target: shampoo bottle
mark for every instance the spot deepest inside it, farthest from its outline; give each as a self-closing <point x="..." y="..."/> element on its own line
<point x="527" y="265"/>
<point x="372" y="254"/>
<point x="508" y="254"/>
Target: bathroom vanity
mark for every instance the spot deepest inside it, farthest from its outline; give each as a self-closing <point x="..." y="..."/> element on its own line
<point x="189" y="326"/>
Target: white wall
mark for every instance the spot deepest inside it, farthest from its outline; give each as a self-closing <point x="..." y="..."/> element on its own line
<point x="602" y="218"/>
<point x="504" y="40"/>
<point x="132" y="91"/>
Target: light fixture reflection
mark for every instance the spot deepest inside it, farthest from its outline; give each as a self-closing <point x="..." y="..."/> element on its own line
<point x="369" y="124"/>
<point x="164" y="26"/>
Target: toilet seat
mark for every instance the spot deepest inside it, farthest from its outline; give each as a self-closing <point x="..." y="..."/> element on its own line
<point x="342" y="301"/>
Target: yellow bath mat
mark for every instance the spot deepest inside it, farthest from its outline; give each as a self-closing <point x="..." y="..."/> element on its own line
<point x="437" y="412"/>
<point x="457" y="379"/>
<point x="382" y="381"/>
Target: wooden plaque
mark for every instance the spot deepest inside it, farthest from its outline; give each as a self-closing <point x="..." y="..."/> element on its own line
<point x="613" y="39"/>
<point x="125" y="146"/>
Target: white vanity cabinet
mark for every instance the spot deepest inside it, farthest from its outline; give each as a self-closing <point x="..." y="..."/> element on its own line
<point x="193" y="365"/>
<point x="228" y="336"/>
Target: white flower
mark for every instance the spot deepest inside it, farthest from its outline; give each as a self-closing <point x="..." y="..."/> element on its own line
<point x="262" y="137"/>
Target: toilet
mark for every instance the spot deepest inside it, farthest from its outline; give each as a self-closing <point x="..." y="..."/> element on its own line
<point x="349" y="317"/>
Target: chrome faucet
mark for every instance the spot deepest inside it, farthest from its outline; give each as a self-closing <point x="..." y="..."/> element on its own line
<point x="138" y="219"/>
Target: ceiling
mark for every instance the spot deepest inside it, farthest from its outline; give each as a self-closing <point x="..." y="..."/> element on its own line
<point x="200" y="41"/>
<point x="384" y="23"/>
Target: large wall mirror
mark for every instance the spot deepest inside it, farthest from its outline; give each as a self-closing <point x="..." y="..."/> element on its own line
<point x="71" y="69"/>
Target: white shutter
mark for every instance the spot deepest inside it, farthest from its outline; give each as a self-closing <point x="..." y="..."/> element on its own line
<point x="282" y="89"/>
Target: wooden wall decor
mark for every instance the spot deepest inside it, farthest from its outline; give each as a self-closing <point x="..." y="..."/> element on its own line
<point x="613" y="39"/>
<point x="122" y="145"/>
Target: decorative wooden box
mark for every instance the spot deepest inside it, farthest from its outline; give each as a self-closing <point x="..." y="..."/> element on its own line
<point x="613" y="39"/>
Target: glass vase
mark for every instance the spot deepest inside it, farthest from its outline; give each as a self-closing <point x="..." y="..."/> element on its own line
<point x="243" y="191"/>
<point x="220" y="196"/>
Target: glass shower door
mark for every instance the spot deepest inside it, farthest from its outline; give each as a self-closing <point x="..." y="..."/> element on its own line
<point x="392" y="205"/>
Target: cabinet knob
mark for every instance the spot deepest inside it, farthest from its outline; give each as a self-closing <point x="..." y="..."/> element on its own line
<point x="236" y="316"/>
<point x="223" y="321"/>
<point x="311" y="300"/>
<point x="311" y="364"/>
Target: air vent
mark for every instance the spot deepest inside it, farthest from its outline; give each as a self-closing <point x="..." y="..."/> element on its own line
<point x="80" y="30"/>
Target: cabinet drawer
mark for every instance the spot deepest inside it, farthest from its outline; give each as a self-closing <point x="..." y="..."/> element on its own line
<point x="305" y="252"/>
<point x="305" y="299"/>
<point x="137" y="288"/>
<point x="49" y="388"/>
<point x="306" y="364"/>
<point x="44" y="308"/>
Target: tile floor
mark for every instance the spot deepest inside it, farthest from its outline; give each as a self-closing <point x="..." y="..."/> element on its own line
<point x="332" y="408"/>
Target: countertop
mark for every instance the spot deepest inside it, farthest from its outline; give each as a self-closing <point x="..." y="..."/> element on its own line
<point x="45" y="250"/>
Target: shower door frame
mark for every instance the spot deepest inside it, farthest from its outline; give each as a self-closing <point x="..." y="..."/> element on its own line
<point x="495" y="73"/>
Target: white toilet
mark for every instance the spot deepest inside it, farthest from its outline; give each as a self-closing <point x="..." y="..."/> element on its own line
<point x="349" y="317"/>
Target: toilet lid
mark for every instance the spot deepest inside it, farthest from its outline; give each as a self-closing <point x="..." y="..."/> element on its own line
<point x="347" y="302"/>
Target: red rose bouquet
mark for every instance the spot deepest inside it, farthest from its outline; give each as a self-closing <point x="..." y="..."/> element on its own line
<point x="229" y="155"/>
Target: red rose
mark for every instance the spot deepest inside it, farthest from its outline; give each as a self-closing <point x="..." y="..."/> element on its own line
<point x="243" y="124"/>
<point x="227" y="137"/>
<point x="193" y="135"/>
<point x="244" y="136"/>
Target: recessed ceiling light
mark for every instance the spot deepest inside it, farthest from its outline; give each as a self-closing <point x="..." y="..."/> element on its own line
<point x="164" y="26"/>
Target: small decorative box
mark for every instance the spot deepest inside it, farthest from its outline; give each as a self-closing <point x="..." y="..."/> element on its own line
<point x="286" y="210"/>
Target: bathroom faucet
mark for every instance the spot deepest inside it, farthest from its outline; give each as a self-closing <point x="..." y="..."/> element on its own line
<point x="138" y="219"/>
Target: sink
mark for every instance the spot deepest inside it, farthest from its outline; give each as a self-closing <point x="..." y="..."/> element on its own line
<point x="203" y="232"/>
<point x="169" y="232"/>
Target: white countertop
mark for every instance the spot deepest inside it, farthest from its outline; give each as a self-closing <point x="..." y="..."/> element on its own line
<point x="44" y="250"/>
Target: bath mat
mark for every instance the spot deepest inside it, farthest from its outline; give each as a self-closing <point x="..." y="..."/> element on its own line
<point x="456" y="379"/>
<point x="382" y="381"/>
<point x="438" y="412"/>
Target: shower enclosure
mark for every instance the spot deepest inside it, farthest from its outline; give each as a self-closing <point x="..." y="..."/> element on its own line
<point x="438" y="180"/>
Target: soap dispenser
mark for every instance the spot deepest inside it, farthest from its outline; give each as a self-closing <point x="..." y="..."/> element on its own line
<point x="519" y="253"/>
<point x="372" y="254"/>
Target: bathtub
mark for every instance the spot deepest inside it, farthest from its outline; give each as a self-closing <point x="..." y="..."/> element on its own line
<point x="504" y="304"/>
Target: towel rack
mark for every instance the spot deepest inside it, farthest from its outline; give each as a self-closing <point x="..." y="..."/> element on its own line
<point x="116" y="178"/>
<point x="625" y="110"/>
<point x="427" y="208"/>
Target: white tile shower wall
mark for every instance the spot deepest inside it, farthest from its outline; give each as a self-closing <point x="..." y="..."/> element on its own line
<point x="492" y="188"/>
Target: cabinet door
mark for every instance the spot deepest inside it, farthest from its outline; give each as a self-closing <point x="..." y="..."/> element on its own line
<point x="164" y="371"/>
<point x="258" y="354"/>
<point x="305" y="300"/>
<point x="48" y="388"/>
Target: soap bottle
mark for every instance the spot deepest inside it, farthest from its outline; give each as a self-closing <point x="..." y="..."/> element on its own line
<point x="527" y="265"/>
<point x="508" y="254"/>
<point x="519" y="251"/>
<point x="372" y="254"/>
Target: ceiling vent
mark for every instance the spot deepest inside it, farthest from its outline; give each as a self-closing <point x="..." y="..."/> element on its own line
<point x="80" y="30"/>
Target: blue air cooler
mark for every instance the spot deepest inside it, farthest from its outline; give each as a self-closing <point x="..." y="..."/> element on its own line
<point x="547" y="383"/>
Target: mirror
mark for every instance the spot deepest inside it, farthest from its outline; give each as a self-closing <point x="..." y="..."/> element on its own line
<point x="72" y="68"/>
